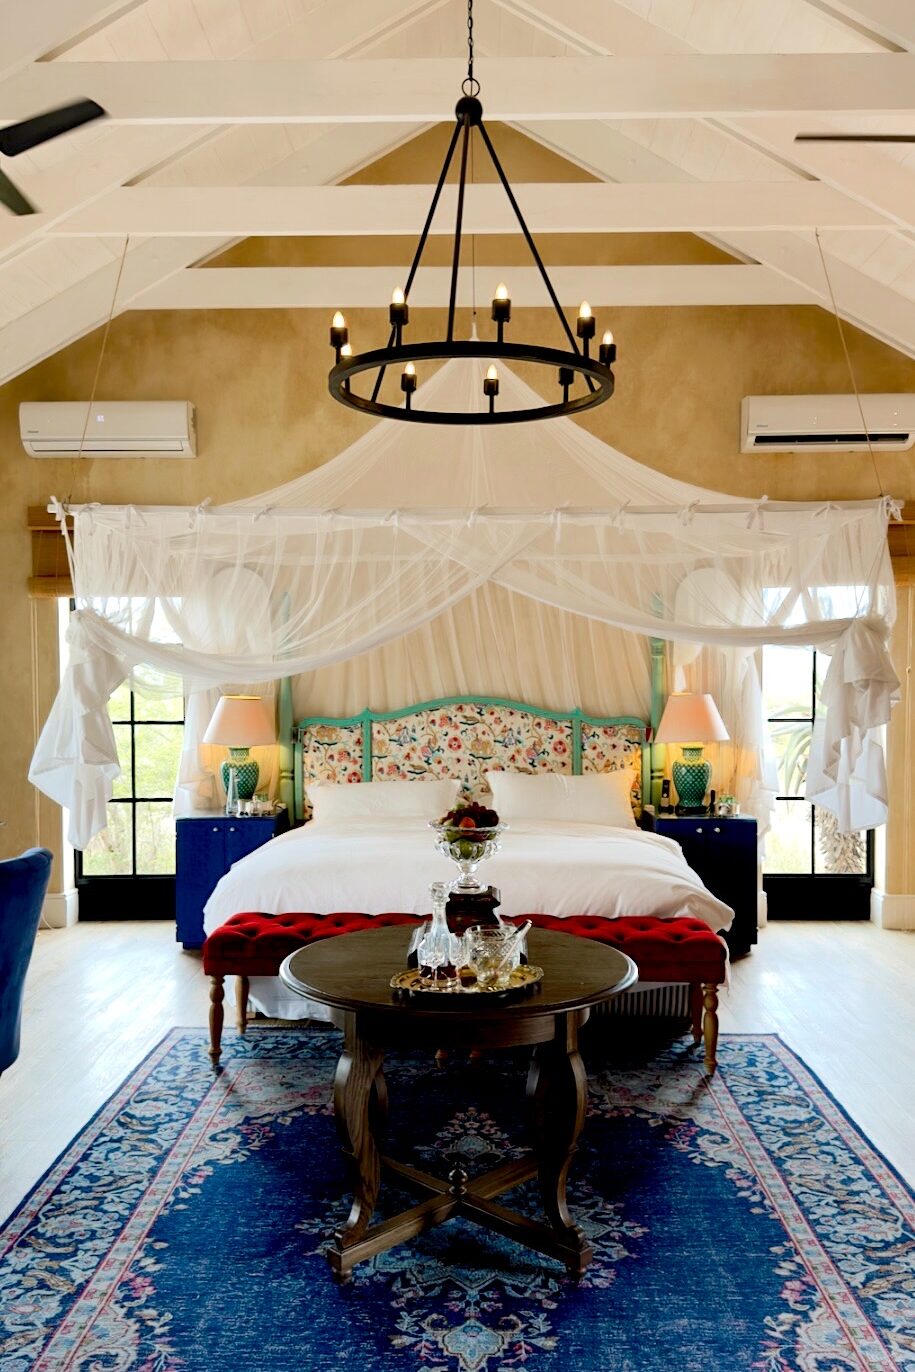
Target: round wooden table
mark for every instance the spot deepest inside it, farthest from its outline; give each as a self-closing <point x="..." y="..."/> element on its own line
<point x="351" y="975"/>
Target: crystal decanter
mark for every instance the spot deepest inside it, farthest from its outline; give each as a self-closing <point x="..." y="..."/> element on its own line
<point x="438" y="952"/>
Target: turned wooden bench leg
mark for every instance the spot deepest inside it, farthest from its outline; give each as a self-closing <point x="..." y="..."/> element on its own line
<point x="241" y="1003"/>
<point x="710" y="1025"/>
<point x="695" y="1009"/>
<point x="217" y="995"/>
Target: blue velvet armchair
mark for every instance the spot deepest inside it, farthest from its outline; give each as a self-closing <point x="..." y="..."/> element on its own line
<point x="23" y="882"/>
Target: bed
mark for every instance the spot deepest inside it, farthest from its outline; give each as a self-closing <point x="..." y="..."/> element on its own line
<point x="379" y="864"/>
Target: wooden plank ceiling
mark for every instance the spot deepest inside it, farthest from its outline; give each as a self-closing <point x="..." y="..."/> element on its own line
<point x="239" y="117"/>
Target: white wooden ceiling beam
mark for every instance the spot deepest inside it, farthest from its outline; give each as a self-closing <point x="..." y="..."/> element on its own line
<point x="266" y="288"/>
<point x="85" y="305"/>
<point x="865" y="173"/>
<point x="893" y="20"/>
<point x="282" y="211"/>
<point x="118" y="156"/>
<point x="859" y="170"/>
<point x="615" y="27"/>
<point x="362" y="91"/>
<point x="33" y="28"/>
<point x="863" y="300"/>
<point x="115" y="156"/>
<point x="330" y="30"/>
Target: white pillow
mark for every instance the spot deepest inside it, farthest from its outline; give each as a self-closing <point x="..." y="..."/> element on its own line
<point x="419" y="799"/>
<point x="595" y="798"/>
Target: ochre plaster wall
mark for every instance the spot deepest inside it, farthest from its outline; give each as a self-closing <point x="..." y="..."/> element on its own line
<point x="258" y="379"/>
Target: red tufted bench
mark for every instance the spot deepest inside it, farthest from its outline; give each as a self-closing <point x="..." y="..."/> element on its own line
<point x="674" y="950"/>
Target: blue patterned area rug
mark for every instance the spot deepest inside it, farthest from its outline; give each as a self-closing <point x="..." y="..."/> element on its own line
<point x="740" y="1225"/>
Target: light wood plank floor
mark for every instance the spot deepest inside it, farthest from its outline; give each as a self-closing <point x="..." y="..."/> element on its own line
<point x="100" y="996"/>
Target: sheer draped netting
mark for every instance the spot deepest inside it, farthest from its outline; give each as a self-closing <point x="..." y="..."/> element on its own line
<point x="413" y="525"/>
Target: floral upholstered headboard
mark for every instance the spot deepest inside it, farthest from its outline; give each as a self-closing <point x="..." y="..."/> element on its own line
<point x="464" y="737"/>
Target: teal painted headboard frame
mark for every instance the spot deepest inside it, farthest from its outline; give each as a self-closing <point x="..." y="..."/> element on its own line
<point x="357" y="754"/>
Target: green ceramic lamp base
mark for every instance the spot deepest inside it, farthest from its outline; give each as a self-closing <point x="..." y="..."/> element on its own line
<point x="691" y="777"/>
<point x="246" y="772"/>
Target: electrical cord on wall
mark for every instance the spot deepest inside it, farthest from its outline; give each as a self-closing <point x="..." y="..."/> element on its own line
<point x="848" y="363"/>
<point x="98" y="366"/>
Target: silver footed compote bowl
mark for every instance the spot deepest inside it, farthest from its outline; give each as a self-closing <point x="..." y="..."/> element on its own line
<point x="468" y="848"/>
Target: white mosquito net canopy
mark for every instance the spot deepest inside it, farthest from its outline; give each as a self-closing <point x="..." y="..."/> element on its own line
<point x="410" y="521"/>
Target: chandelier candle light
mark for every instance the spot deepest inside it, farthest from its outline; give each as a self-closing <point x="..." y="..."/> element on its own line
<point x="691" y="719"/>
<point x="240" y="723"/>
<point x="572" y="367"/>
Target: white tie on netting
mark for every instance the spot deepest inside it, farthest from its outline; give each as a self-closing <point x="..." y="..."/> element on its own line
<point x="411" y="520"/>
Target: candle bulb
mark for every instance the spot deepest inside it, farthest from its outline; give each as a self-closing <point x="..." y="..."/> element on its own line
<point x="399" y="312"/>
<point x="586" y="324"/>
<point x="501" y="307"/>
<point x="346" y="350"/>
<point x="607" y="349"/>
<point x="491" y="386"/>
<point x="339" y="333"/>
<point x="408" y="383"/>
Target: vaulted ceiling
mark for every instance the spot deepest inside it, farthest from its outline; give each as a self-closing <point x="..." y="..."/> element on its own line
<point x="233" y="118"/>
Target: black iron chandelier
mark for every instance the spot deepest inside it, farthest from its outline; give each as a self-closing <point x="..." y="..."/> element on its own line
<point x="575" y="368"/>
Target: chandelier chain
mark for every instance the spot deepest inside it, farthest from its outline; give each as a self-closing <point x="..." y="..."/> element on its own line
<point x="470" y="85"/>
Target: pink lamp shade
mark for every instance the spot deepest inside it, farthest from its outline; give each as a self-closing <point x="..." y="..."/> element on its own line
<point x="241" y="722"/>
<point x="691" y="717"/>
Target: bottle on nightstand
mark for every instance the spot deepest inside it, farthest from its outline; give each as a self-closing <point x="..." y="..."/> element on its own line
<point x="665" y="807"/>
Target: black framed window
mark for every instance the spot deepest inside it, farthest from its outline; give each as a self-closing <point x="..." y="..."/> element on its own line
<point x="810" y="870"/>
<point x="128" y="870"/>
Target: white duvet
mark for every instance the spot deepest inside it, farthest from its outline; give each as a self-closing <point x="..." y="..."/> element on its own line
<point x="557" y="868"/>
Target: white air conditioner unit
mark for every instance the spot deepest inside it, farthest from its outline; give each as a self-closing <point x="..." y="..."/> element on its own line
<point x="108" y="428"/>
<point x="826" y="423"/>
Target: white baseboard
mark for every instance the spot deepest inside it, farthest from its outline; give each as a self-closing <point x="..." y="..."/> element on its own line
<point x="762" y="909"/>
<point x="892" y="911"/>
<point x="60" y="910"/>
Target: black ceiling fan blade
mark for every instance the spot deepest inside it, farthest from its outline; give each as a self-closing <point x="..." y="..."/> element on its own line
<point x="12" y="197"/>
<point x="17" y="138"/>
<point x="854" y="138"/>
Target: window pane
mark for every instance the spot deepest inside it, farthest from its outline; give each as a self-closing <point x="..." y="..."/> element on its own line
<point x="119" y="703"/>
<point x="788" y="840"/>
<point x="790" y="748"/>
<point x="835" y="853"/>
<point x="155" y="839"/>
<point x="158" y="748"/>
<point x="787" y="682"/>
<point x="158" y="707"/>
<point x="109" y="854"/>
<point x="122" y="738"/>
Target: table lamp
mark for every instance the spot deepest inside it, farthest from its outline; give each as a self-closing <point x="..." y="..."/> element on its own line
<point x="240" y="723"/>
<point x="692" y="719"/>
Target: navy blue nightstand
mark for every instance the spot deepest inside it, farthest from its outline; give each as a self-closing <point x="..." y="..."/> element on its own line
<point x="722" y="850"/>
<point x="207" y="846"/>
